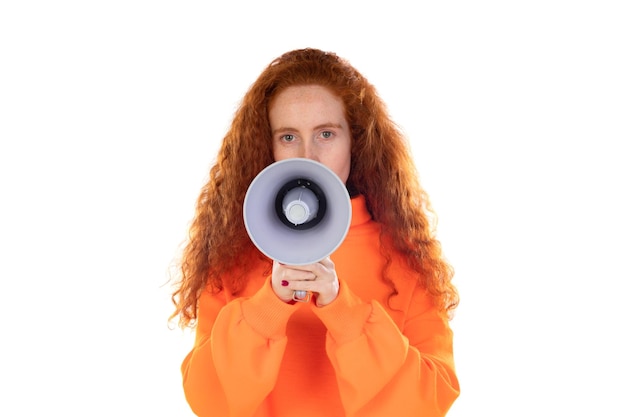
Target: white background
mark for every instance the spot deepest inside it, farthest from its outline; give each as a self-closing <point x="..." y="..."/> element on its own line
<point x="111" y="113"/>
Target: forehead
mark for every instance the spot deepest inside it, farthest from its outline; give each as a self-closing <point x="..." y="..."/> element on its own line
<point x="306" y="99"/>
<point x="305" y="91"/>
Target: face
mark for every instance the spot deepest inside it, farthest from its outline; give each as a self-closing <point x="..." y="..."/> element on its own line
<point x="309" y="122"/>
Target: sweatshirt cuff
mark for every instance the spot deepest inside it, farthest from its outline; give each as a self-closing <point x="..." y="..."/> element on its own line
<point x="345" y="317"/>
<point x="266" y="313"/>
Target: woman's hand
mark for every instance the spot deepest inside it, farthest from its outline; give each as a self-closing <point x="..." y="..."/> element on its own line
<point x="320" y="278"/>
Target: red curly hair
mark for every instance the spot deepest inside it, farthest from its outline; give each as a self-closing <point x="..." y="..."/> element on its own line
<point x="381" y="169"/>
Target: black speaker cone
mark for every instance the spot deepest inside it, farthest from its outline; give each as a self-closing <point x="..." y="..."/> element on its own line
<point x="300" y="204"/>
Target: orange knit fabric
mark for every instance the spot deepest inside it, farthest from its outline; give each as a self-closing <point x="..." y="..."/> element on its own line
<point x="256" y="356"/>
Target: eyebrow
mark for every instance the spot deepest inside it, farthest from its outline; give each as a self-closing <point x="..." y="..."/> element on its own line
<point x="318" y="127"/>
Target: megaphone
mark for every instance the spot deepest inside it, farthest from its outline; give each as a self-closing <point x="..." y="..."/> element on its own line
<point x="297" y="211"/>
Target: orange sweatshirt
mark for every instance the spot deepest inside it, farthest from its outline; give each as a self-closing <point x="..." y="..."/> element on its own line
<point x="256" y="356"/>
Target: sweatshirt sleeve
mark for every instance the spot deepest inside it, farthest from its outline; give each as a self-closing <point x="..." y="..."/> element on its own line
<point x="237" y="353"/>
<point x="384" y="370"/>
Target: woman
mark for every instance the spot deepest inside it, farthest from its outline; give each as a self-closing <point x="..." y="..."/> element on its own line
<point x="375" y="338"/>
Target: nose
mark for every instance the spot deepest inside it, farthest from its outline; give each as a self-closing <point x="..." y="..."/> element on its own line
<point x="309" y="151"/>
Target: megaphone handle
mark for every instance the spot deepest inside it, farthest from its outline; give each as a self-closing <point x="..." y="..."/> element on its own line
<point x="301" y="296"/>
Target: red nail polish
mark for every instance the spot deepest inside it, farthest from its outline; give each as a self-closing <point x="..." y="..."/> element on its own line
<point x="284" y="283"/>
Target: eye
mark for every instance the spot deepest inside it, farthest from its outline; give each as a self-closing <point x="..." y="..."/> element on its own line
<point x="327" y="134"/>
<point x="288" y="138"/>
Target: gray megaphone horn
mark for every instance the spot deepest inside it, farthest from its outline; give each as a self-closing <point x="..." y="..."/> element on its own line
<point x="297" y="211"/>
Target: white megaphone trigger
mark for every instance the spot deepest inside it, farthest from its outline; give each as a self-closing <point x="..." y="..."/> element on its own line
<point x="297" y="211"/>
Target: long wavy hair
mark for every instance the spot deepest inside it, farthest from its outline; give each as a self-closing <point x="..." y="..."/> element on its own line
<point x="382" y="170"/>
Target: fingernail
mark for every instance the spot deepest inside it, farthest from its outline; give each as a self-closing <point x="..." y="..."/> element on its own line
<point x="284" y="283"/>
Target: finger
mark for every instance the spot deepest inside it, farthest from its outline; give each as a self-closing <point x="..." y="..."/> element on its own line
<point x="303" y="286"/>
<point x="308" y="267"/>
<point x="299" y="274"/>
<point x="327" y="262"/>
